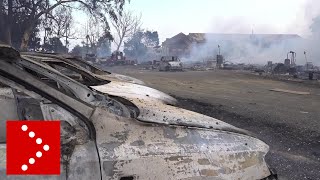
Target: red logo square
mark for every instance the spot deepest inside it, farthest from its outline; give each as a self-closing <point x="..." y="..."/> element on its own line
<point x="33" y="147"/>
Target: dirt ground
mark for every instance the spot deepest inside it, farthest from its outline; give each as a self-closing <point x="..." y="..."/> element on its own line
<point x="288" y="123"/>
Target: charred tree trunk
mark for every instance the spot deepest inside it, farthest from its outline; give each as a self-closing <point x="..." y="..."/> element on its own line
<point x="25" y="37"/>
<point x="2" y="15"/>
<point x="6" y="24"/>
<point x="120" y="42"/>
<point x="7" y="35"/>
<point x="9" y="23"/>
<point x="35" y="17"/>
<point x="2" y="29"/>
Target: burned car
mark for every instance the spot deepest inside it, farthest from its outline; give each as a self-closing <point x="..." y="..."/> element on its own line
<point x="125" y="86"/>
<point x="89" y="67"/>
<point x="110" y="142"/>
<point x="170" y="63"/>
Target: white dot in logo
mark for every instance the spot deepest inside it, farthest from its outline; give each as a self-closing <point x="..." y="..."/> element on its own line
<point x="31" y="134"/>
<point x="39" y="141"/>
<point x="24" y="167"/>
<point x="39" y="154"/>
<point x="32" y="160"/>
<point x="46" y="147"/>
<point x="24" y="127"/>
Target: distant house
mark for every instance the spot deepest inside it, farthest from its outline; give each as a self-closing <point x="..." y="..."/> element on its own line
<point x="178" y="45"/>
<point x="181" y="44"/>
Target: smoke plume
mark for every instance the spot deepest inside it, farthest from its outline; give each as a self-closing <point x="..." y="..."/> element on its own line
<point x="258" y="48"/>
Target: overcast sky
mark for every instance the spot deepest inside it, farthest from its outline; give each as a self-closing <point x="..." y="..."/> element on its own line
<point x="170" y="17"/>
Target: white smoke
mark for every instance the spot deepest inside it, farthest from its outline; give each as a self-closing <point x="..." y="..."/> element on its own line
<point x="249" y="49"/>
<point x="257" y="49"/>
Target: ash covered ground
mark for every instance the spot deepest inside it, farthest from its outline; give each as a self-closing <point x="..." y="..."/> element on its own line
<point x="288" y="123"/>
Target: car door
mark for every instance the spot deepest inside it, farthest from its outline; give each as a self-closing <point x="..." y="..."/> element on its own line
<point x="8" y="109"/>
<point x="79" y="155"/>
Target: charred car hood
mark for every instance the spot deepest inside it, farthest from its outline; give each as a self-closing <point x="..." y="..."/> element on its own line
<point x="154" y="108"/>
<point x="132" y="91"/>
<point x="161" y="151"/>
<point x="125" y="78"/>
<point x="155" y="112"/>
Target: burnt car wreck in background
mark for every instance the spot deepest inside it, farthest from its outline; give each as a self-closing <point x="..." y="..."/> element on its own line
<point x="107" y="134"/>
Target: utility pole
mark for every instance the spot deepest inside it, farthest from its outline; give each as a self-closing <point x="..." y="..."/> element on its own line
<point x="87" y="37"/>
<point x="46" y="33"/>
<point x="67" y="26"/>
<point x="305" y="56"/>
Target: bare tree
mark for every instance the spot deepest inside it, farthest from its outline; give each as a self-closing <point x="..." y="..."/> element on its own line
<point x="95" y="33"/>
<point x="60" y="23"/>
<point x="125" y="25"/>
<point x="60" y="20"/>
<point x="93" y="30"/>
<point x="90" y="33"/>
<point x="35" y="9"/>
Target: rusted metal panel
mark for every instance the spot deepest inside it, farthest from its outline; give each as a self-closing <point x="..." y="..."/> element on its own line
<point x="82" y="93"/>
<point x="84" y="162"/>
<point x="13" y="71"/>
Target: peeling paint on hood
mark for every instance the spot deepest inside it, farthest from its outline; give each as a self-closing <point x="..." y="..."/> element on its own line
<point x="126" y="78"/>
<point x="160" y="151"/>
<point x="151" y="111"/>
<point x="132" y="91"/>
<point x="155" y="109"/>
